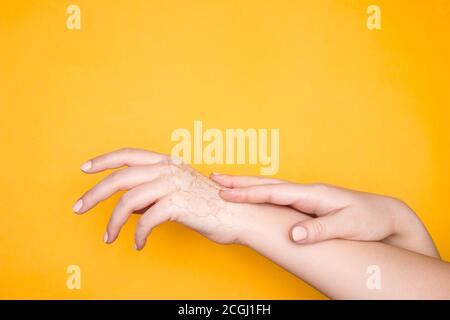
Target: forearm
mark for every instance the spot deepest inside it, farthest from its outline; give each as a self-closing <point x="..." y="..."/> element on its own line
<point x="173" y="191"/>
<point x="338" y="268"/>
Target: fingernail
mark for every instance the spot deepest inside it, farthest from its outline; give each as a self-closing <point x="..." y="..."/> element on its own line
<point x="105" y="237"/>
<point x="85" y="167"/>
<point x="135" y="247"/>
<point x="299" y="233"/>
<point x="215" y="174"/>
<point x="77" y="206"/>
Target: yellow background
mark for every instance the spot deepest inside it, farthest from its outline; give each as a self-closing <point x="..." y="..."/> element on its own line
<point x="363" y="109"/>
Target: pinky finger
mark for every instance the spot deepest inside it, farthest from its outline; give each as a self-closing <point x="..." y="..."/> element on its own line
<point x="154" y="216"/>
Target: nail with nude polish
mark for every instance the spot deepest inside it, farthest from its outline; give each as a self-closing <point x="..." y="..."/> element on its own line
<point x="299" y="233"/>
<point x="77" y="206"/>
<point x="105" y="237"/>
<point x="85" y="167"/>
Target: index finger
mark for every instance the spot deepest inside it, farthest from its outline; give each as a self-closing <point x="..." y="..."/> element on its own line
<point x="311" y="199"/>
<point x="120" y="158"/>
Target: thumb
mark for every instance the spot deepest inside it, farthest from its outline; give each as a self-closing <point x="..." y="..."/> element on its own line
<point x="319" y="229"/>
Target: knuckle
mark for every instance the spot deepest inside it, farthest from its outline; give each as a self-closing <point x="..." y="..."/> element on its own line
<point x="172" y="167"/>
<point x="270" y="196"/>
<point x="177" y="169"/>
<point x="317" y="229"/>
<point x="126" y="199"/>
<point x="165" y="161"/>
<point x="244" y="195"/>
<point x="176" y="177"/>
<point x="118" y="180"/>
<point x="88" y="199"/>
<point x="140" y="226"/>
<point x="233" y="182"/>
<point x="176" y="217"/>
<point x="115" y="176"/>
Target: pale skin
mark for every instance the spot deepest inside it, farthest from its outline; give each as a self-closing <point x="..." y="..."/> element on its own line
<point x="162" y="190"/>
<point x="340" y="213"/>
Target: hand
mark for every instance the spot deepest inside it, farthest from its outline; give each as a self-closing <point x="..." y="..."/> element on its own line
<point x="163" y="190"/>
<point x="339" y="213"/>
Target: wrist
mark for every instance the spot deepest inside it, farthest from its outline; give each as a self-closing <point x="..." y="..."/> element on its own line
<point x="261" y="223"/>
<point x="245" y="222"/>
<point x="409" y="231"/>
<point x="406" y="222"/>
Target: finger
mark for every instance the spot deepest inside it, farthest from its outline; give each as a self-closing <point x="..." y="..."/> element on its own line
<point x="231" y="181"/>
<point x="328" y="227"/>
<point x="154" y="216"/>
<point x="135" y="199"/>
<point x="124" y="179"/>
<point x="311" y="199"/>
<point x="120" y="158"/>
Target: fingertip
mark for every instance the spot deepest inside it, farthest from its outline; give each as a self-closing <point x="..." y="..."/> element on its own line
<point x="110" y="235"/>
<point x="106" y="238"/>
<point x="77" y="206"/>
<point x="86" y="167"/>
<point x="139" y="244"/>
<point x="298" y="234"/>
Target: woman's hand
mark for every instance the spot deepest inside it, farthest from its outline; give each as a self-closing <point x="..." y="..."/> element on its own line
<point x="340" y="213"/>
<point x="163" y="189"/>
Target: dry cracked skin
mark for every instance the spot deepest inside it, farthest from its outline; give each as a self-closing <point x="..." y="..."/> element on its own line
<point x="196" y="203"/>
